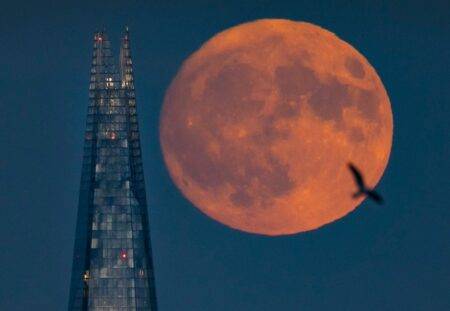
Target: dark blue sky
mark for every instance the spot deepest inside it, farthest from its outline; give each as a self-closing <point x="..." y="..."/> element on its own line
<point x="394" y="257"/>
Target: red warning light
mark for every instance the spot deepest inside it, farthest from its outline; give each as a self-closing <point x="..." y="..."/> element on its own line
<point x="123" y="255"/>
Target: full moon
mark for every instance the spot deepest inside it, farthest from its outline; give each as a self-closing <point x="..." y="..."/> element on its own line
<point x="259" y="124"/>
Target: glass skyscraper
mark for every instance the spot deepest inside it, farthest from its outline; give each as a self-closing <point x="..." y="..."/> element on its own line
<point x="112" y="264"/>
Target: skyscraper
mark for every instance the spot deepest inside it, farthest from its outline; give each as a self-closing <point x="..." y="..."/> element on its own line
<point x="112" y="264"/>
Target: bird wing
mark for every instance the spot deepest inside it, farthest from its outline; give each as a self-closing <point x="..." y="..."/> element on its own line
<point x="375" y="196"/>
<point x="356" y="175"/>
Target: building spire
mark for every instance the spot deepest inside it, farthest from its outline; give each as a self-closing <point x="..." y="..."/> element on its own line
<point x="112" y="264"/>
<point x="126" y="64"/>
<point x="103" y="70"/>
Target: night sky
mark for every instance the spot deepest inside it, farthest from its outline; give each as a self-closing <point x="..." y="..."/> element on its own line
<point x="393" y="257"/>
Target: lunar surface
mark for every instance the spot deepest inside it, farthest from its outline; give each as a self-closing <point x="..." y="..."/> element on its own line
<point x="259" y="124"/>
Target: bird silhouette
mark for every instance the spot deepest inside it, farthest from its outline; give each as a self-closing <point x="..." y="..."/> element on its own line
<point x="362" y="188"/>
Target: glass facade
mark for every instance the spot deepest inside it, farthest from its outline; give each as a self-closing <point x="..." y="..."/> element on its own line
<point x="112" y="264"/>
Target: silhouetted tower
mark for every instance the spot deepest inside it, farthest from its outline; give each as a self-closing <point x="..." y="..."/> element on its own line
<point x="112" y="264"/>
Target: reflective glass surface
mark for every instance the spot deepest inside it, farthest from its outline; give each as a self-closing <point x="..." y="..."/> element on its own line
<point x="112" y="265"/>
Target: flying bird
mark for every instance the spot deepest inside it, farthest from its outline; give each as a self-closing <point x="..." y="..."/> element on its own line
<point x="362" y="188"/>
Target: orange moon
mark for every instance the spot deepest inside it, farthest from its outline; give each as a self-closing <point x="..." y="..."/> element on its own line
<point x="259" y="124"/>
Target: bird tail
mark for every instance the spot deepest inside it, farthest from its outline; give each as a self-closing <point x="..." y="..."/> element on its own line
<point x="358" y="194"/>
